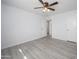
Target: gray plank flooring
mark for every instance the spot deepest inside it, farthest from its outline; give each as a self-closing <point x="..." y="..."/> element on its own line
<point x="43" y="48"/>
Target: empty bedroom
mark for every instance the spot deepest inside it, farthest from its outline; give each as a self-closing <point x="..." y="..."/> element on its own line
<point x="38" y="29"/>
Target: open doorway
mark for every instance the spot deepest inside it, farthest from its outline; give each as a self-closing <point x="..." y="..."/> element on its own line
<point x="49" y="27"/>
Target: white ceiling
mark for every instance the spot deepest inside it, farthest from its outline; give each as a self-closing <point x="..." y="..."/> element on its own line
<point x="28" y="5"/>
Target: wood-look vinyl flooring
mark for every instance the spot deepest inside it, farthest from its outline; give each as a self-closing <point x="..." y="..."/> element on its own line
<point x="43" y="48"/>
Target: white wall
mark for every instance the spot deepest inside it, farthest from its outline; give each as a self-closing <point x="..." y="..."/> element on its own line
<point x="64" y="26"/>
<point x="19" y="26"/>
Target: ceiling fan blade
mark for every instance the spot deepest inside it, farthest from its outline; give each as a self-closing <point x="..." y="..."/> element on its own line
<point x="38" y="7"/>
<point x="53" y="3"/>
<point x="41" y="1"/>
<point x="51" y="9"/>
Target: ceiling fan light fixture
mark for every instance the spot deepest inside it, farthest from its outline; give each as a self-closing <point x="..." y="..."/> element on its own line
<point x="46" y="9"/>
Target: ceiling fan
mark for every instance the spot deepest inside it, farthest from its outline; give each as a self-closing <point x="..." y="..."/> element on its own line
<point x="46" y="6"/>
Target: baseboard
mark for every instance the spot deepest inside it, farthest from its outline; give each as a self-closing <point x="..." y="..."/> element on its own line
<point x="72" y="42"/>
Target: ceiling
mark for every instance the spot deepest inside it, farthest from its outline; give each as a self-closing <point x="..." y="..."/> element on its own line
<point x="28" y="5"/>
